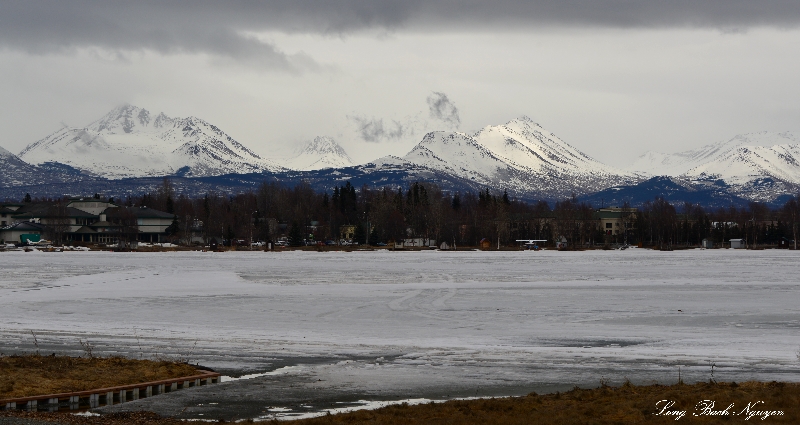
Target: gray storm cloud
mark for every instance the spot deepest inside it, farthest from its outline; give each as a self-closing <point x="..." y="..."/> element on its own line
<point x="373" y="130"/>
<point x="441" y="108"/>
<point x="217" y="28"/>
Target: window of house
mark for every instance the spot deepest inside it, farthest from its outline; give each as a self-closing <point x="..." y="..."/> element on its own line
<point x="608" y="225"/>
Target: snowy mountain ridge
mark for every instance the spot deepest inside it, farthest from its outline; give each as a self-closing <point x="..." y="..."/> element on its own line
<point x="131" y="142"/>
<point x="16" y="172"/>
<point x="520" y="156"/>
<point x="757" y="166"/>
<point x="320" y="153"/>
<point x="658" y="163"/>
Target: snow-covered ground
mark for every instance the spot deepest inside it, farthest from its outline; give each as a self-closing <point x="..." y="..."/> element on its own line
<point x="341" y="327"/>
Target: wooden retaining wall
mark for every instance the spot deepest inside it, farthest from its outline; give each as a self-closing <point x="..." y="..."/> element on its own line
<point x="107" y="396"/>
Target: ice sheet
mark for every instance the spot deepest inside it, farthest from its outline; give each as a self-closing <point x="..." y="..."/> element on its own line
<point x="419" y="324"/>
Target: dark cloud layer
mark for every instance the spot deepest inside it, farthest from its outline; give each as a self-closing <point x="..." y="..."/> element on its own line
<point x="214" y="27"/>
<point x="441" y="108"/>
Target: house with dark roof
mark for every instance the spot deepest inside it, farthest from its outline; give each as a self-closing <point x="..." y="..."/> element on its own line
<point x="52" y="215"/>
<point x="95" y="220"/>
<point x="21" y="232"/>
<point x="5" y="215"/>
<point x="151" y="225"/>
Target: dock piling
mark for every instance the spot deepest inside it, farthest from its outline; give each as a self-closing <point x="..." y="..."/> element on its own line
<point x="107" y="396"/>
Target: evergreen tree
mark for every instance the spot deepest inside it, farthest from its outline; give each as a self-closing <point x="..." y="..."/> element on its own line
<point x="231" y="235"/>
<point x="27" y="198"/>
<point x="336" y="197"/>
<point x="174" y="228"/>
<point x="295" y="236"/>
<point x="373" y="237"/>
<point x="360" y="235"/>
<point x="456" y="204"/>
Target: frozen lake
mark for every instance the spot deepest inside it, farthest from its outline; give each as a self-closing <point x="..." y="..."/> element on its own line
<point x="325" y="330"/>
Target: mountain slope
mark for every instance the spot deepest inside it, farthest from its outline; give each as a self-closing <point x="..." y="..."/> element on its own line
<point x="519" y="156"/>
<point x="131" y="142"/>
<point x="756" y="172"/>
<point x="16" y="172"/>
<point x="322" y="152"/>
<point x="756" y="166"/>
<point x="674" y="190"/>
<point x="664" y="164"/>
<point x="741" y="164"/>
<point x="658" y="163"/>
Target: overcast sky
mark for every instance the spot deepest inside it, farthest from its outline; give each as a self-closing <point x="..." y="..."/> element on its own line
<point x="613" y="78"/>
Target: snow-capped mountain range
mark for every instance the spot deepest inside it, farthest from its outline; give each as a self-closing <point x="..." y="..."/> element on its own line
<point x="519" y="156"/>
<point x="758" y="166"/>
<point x="131" y="142"/>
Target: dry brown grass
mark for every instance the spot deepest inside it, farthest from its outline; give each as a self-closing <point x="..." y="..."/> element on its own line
<point x="624" y="405"/>
<point x="29" y="375"/>
<point x="124" y="418"/>
<point x="628" y="404"/>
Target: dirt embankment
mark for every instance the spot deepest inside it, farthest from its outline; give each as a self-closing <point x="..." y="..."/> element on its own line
<point x="30" y="375"/>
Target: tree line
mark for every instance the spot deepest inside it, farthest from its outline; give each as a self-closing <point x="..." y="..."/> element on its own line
<point x="423" y="210"/>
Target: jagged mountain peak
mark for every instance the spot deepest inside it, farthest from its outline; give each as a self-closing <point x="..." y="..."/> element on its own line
<point x="764" y="138"/>
<point x="523" y="121"/>
<point x="130" y="141"/>
<point x="519" y="155"/>
<point x="322" y="152"/>
<point x="128" y="118"/>
<point x="744" y="163"/>
<point x="673" y="164"/>
<point x="324" y="145"/>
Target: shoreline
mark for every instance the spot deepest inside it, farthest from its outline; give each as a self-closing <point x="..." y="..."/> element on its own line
<point x="704" y="402"/>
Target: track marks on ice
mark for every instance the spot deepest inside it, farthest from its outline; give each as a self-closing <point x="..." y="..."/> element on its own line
<point x="420" y="300"/>
<point x="397" y="305"/>
<point x="440" y="302"/>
